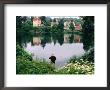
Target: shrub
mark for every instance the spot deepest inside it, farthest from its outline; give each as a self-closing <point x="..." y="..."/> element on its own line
<point x="32" y="67"/>
<point x="89" y="55"/>
<point x="26" y="65"/>
<point x="20" y="52"/>
<point x="80" y="65"/>
<point x="77" y="67"/>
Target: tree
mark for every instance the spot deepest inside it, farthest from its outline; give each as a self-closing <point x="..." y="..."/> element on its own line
<point x="23" y="23"/>
<point x="19" y="21"/>
<point x="54" y="28"/>
<point x="61" y="25"/>
<point x="88" y="32"/>
<point x="71" y="26"/>
<point x="43" y="20"/>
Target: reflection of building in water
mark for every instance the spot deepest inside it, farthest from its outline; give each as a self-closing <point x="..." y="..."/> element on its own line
<point x="77" y="38"/>
<point x="66" y="38"/>
<point x="36" y="41"/>
<point x="36" y="21"/>
<point x="69" y="38"/>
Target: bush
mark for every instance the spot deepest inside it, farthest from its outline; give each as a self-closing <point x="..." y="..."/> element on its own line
<point x="24" y="66"/>
<point x="80" y="65"/>
<point x="20" y="52"/>
<point x="77" y="67"/>
<point x="89" y="56"/>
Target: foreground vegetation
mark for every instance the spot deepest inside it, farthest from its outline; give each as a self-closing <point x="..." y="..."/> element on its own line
<point x="25" y="65"/>
<point x="79" y="65"/>
<point x="77" y="68"/>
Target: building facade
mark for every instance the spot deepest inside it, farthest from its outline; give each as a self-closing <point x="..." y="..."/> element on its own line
<point x="36" y="22"/>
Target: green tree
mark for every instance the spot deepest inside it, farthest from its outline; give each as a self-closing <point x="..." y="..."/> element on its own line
<point x="88" y="32"/>
<point x="19" y="21"/>
<point x="54" y="28"/>
<point x="43" y="20"/>
<point x="61" y="24"/>
<point x="72" y="28"/>
<point x="23" y="23"/>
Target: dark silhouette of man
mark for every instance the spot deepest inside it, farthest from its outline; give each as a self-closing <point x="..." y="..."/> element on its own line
<point x="53" y="59"/>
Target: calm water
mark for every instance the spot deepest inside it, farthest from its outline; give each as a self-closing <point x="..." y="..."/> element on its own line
<point x="63" y="46"/>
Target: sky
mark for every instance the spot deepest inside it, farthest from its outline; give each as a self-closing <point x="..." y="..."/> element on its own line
<point x="64" y="17"/>
<point x="61" y="17"/>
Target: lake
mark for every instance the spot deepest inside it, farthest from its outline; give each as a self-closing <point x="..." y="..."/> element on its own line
<point x="62" y="45"/>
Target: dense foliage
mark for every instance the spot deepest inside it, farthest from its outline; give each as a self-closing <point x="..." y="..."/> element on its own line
<point x="21" y="53"/>
<point x="26" y="65"/>
<point x="23" y="24"/>
<point x="88" y="32"/>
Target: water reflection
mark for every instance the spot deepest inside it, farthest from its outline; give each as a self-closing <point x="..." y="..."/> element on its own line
<point x="36" y="41"/>
<point x="63" y="46"/>
<point x="55" y="38"/>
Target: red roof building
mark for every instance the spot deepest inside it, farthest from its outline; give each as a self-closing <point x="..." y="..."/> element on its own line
<point x="36" y="21"/>
<point x="78" y="27"/>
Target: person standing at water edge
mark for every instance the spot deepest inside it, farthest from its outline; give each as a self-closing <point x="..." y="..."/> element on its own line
<point x="53" y="59"/>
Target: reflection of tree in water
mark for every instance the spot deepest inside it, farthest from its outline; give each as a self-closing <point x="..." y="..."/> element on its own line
<point x="54" y="38"/>
<point x="71" y="38"/>
<point x="42" y="39"/>
<point x="60" y="38"/>
<point x="22" y="38"/>
<point x="46" y="38"/>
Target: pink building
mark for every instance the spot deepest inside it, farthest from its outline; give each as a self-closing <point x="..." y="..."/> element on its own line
<point x="78" y="27"/>
<point x="36" y="21"/>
